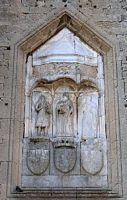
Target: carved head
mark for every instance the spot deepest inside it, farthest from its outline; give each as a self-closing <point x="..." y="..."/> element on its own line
<point x="42" y="98"/>
<point x="65" y="96"/>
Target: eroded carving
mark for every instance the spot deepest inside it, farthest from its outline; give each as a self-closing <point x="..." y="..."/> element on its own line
<point x="38" y="158"/>
<point x="92" y="157"/>
<point x="88" y="114"/>
<point x="68" y="70"/>
<point x="42" y="121"/>
<point x="64" y="116"/>
<point x="65" y="154"/>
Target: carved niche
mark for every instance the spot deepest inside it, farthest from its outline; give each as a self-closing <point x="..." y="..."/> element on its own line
<point x="65" y="141"/>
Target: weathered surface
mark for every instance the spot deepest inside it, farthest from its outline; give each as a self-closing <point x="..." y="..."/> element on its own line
<point x="108" y="20"/>
<point x="64" y="109"/>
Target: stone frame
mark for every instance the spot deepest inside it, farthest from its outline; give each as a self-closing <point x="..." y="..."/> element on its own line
<point x="21" y="50"/>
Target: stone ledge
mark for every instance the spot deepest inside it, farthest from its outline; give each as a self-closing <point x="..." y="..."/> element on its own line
<point x="66" y="193"/>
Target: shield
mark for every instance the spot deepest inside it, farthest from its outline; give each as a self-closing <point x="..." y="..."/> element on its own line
<point x="65" y="158"/>
<point x="38" y="160"/>
<point x="92" y="161"/>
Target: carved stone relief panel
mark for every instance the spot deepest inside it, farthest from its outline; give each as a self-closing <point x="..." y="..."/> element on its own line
<point x="87" y="113"/>
<point x="38" y="158"/>
<point x="41" y="112"/>
<point x="64" y="144"/>
<point x="64" y="112"/>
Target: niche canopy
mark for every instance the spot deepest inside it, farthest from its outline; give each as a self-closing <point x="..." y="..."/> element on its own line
<point x="65" y="47"/>
<point x="64" y="116"/>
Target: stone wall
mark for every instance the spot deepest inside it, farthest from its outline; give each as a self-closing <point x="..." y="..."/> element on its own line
<point x="20" y="19"/>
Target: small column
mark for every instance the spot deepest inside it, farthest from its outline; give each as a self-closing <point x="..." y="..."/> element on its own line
<point x="101" y="98"/>
<point x="27" y="97"/>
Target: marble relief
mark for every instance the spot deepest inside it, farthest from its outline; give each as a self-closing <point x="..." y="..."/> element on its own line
<point x="88" y="112"/>
<point x="42" y="121"/>
<point x="41" y="114"/>
<point x="38" y="160"/>
<point x="64" y="115"/>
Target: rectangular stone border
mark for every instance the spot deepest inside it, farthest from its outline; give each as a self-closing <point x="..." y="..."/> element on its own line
<point x="20" y="52"/>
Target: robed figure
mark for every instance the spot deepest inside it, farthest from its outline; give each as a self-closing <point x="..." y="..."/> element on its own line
<point x="64" y="116"/>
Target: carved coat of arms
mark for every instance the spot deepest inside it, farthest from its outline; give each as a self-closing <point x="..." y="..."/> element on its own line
<point x="38" y="160"/>
<point x="91" y="160"/>
<point x="64" y="158"/>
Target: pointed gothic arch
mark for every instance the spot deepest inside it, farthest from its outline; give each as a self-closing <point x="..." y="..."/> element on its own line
<point x="88" y="36"/>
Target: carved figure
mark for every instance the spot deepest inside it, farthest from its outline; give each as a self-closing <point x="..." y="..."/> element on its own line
<point x="42" y="121"/>
<point x="64" y="116"/>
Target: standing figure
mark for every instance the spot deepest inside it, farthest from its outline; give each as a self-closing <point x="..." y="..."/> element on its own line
<point x="64" y="116"/>
<point x="42" y="121"/>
